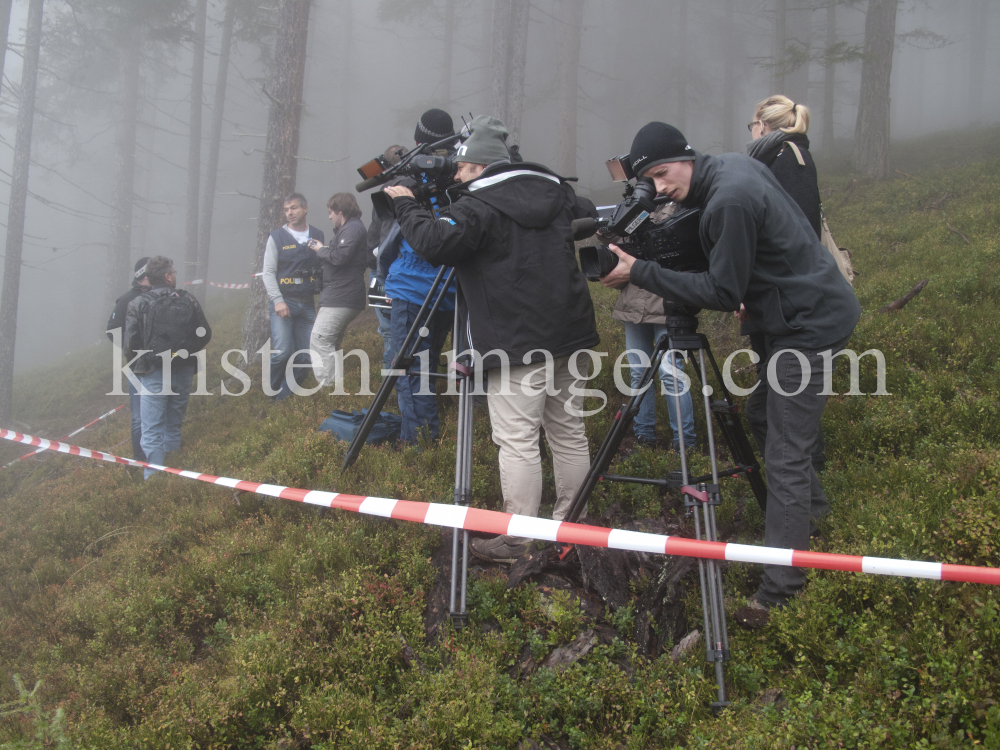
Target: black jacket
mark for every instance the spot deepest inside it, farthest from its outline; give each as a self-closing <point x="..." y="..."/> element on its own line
<point x="344" y="264"/>
<point x="117" y="319"/>
<point x="151" y="324"/>
<point x="798" y="180"/>
<point x="508" y="236"/>
<point x="761" y="252"/>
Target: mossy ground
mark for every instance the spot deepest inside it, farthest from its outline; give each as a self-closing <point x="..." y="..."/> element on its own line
<point x="170" y="614"/>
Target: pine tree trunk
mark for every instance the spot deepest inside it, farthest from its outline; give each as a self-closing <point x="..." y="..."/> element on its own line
<point x="569" y="29"/>
<point x="510" y="46"/>
<point x="829" y="80"/>
<point x="15" y="215"/>
<point x="215" y="139"/>
<point x="449" y="44"/>
<point x="285" y="93"/>
<point x="680" y="65"/>
<point x="728" y="79"/>
<point x="344" y="63"/>
<point x="871" y="133"/>
<point x="118" y="270"/>
<point x="192" y="270"/>
<point x="978" y="20"/>
<point x="780" y="34"/>
<point x="4" y="30"/>
<point x="485" y="57"/>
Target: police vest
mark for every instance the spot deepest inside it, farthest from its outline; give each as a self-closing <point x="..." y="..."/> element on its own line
<point x="300" y="273"/>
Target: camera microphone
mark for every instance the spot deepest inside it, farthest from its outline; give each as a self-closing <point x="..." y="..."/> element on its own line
<point x="583" y="228"/>
<point x="369" y="183"/>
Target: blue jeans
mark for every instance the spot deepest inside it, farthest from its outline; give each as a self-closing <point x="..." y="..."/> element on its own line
<point x="385" y="331"/>
<point x="134" y="404"/>
<point x="162" y="414"/>
<point x="418" y="411"/>
<point x="643" y="337"/>
<point x="290" y="335"/>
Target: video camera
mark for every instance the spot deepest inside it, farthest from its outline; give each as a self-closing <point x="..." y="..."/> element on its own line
<point x="429" y="174"/>
<point x="673" y="243"/>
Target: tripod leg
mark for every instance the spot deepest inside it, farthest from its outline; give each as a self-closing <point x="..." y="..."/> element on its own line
<point x="463" y="480"/>
<point x="401" y="362"/>
<point x="613" y="440"/>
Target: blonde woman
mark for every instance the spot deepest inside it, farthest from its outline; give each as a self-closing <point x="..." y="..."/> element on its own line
<point x="778" y="129"/>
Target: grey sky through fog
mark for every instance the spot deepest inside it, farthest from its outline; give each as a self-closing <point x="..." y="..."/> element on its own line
<point x="629" y="73"/>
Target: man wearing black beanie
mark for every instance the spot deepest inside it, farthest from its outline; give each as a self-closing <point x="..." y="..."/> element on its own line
<point x="762" y="252"/>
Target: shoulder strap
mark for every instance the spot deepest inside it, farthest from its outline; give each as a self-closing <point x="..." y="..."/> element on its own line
<point x="798" y="154"/>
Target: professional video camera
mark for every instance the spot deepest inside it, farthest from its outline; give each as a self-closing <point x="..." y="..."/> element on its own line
<point x="673" y="243"/>
<point x="429" y="173"/>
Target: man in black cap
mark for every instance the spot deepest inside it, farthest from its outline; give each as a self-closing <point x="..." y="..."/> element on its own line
<point x="140" y="283"/>
<point x="508" y="235"/>
<point x="762" y="252"/>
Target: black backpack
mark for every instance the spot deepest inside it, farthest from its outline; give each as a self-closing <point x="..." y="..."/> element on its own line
<point x="171" y="320"/>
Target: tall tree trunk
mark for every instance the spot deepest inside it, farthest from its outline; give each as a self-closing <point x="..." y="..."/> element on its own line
<point x="728" y="78"/>
<point x="798" y="32"/>
<point x="284" y="117"/>
<point x="118" y="266"/>
<point x="978" y="18"/>
<point x="569" y="29"/>
<point x="345" y="61"/>
<point x="829" y="79"/>
<point x="4" y="30"/>
<point x="680" y="64"/>
<point x="15" y="215"/>
<point x="192" y="270"/>
<point x="485" y="56"/>
<point x="780" y="40"/>
<point x="215" y="139"/>
<point x="449" y="44"/>
<point x="871" y="133"/>
<point x="510" y="47"/>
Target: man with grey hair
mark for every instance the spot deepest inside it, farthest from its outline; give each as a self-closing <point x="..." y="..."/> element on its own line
<point x="165" y="326"/>
<point x="508" y="235"/>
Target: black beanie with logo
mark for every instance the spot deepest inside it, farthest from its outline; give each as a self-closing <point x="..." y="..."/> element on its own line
<point x="433" y="125"/>
<point x="657" y="143"/>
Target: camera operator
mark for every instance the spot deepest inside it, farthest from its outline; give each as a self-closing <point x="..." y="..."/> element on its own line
<point x="408" y="279"/>
<point x="508" y="235"/>
<point x="762" y="252"/>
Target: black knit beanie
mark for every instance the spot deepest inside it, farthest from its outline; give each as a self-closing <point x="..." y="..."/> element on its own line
<point x="434" y="124"/>
<point x="657" y="143"/>
<point x="140" y="269"/>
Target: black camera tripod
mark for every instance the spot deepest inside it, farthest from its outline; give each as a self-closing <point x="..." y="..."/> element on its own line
<point x="702" y="493"/>
<point x="462" y="367"/>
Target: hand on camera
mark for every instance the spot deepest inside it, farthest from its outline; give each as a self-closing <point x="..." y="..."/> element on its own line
<point x="398" y="191"/>
<point x="620" y="274"/>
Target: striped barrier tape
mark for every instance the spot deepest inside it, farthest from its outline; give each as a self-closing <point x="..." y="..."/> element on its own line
<point x="495" y="522"/>
<point x="75" y="432"/>
<point x="220" y="286"/>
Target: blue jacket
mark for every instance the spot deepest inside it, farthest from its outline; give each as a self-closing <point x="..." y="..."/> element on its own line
<point x="409" y="276"/>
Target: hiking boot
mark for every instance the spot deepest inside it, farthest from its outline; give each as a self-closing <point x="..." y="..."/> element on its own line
<point x="496" y="550"/>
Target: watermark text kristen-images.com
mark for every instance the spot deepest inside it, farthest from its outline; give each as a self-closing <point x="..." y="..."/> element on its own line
<point x="578" y="363"/>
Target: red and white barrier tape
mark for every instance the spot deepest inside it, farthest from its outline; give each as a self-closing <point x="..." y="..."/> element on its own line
<point x="75" y="432"/>
<point x="494" y="522"/>
<point x="220" y="286"/>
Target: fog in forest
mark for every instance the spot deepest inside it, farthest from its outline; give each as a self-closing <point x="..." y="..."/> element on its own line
<point x="371" y="68"/>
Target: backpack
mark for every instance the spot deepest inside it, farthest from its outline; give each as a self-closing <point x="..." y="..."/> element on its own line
<point x="171" y="320"/>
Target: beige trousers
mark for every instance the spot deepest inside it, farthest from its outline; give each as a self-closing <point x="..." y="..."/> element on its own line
<point x="516" y="420"/>
<point x="327" y="338"/>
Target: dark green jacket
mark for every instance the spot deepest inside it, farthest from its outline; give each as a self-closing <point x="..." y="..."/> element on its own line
<point x="761" y="252"/>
